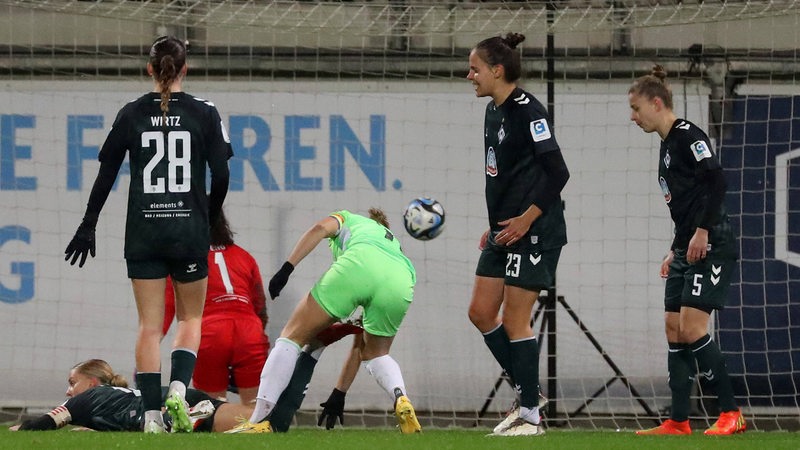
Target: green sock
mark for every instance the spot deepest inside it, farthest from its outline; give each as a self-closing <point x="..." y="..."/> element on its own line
<point x="680" y="364"/>
<point x="711" y="363"/>
<point x="499" y="345"/>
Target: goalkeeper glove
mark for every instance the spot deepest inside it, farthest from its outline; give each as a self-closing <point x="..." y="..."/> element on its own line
<point x="82" y="244"/>
<point x="280" y="279"/>
<point x="332" y="409"/>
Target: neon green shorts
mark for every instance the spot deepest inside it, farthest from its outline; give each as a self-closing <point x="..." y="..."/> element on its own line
<point x="372" y="279"/>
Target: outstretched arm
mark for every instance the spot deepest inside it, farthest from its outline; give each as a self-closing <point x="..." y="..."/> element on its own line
<point x="327" y="227"/>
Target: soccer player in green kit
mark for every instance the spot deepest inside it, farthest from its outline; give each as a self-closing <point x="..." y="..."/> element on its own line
<point x="525" y="173"/>
<point x="369" y="270"/>
<point x="172" y="139"/>
<point x="701" y="260"/>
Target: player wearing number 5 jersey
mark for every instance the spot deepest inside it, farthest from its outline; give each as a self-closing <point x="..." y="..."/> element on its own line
<point x="701" y="259"/>
<point x="233" y="341"/>
<point x="171" y="137"/>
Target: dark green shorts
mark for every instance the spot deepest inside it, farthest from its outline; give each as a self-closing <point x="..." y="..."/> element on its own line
<point x="183" y="270"/>
<point x="533" y="271"/>
<point x="703" y="285"/>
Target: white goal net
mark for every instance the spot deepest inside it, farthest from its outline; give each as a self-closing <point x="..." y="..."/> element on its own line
<point x="353" y="104"/>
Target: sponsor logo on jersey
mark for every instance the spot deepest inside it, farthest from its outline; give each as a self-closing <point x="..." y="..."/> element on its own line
<point x="700" y="150"/>
<point x="667" y="160"/>
<point x="501" y="135"/>
<point x="522" y="99"/>
<point x="665" y="189"/>
<point x="539" y="130"/>
<point x="491" y="163"/>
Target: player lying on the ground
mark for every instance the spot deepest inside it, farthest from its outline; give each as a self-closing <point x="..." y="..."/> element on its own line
<point x="100" y="400"/>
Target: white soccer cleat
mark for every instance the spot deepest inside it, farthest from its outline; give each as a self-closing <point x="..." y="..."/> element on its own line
<point x="521" y="427"/>
<point x="200" y="411"/>
<point x="153" y="427"/>
<point x="543" y="401"/>
<point x="511" y="416"/>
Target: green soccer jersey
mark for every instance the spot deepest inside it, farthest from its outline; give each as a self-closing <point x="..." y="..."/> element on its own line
<point x="684" y="157"/>
<point x="167" y="202"/>
<point x="516" y="135"/>
<point x="355" y="230"/>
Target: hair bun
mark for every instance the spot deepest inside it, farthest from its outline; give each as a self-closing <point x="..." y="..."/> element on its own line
<point x="659" y="72"/>
<point x="513" y="39"/>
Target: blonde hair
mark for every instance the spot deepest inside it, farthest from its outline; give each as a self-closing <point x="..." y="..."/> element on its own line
<point x="653" y="85"/>
<point x="97" y="368"/>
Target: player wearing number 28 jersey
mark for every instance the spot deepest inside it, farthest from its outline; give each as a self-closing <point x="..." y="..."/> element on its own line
<point x="171" y="137"/>
<point x="168" y="210"/>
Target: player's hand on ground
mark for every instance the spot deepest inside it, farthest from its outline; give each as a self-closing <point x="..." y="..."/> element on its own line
<point x="332" y="409"/>
<point x="279" y="280"/>
<point x="81" y="245"/>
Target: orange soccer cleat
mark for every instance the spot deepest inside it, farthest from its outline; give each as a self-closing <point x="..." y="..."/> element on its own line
<point x="729" y="422"/>
<point x="668" y="427"/>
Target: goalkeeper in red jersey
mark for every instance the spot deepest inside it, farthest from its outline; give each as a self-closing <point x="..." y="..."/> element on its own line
<point x="233" y="340"/>
<point x="700" y="263"/>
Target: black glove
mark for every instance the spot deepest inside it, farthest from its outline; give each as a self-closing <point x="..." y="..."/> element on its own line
<point x="82" y="243"/>
<point x="332" y="409"/>
<point x="279" y="280"/>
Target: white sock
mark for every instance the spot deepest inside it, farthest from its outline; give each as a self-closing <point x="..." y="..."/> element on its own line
<point x="387" y="373"/>
<point x="177" y="386"/>
<point x="530" y="414"/>
<point x="275" y="377"/>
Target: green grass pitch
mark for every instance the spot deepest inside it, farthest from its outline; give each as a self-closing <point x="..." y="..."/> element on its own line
<point x="386" y="439"/>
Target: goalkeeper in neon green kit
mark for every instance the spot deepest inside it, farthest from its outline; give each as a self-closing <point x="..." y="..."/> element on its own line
<point x="369" y="270"/>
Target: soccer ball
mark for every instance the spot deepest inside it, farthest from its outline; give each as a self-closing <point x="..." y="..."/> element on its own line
<point x="424" y="218"/>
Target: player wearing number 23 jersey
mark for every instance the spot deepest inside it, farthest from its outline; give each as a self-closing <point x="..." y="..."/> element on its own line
<point x="525" y="173"/>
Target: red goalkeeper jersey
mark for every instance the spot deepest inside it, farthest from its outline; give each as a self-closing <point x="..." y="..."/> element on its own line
<point x="235" y="287"/>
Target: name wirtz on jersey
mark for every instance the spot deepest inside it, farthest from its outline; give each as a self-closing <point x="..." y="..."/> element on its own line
<point x="169" y="121"/>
